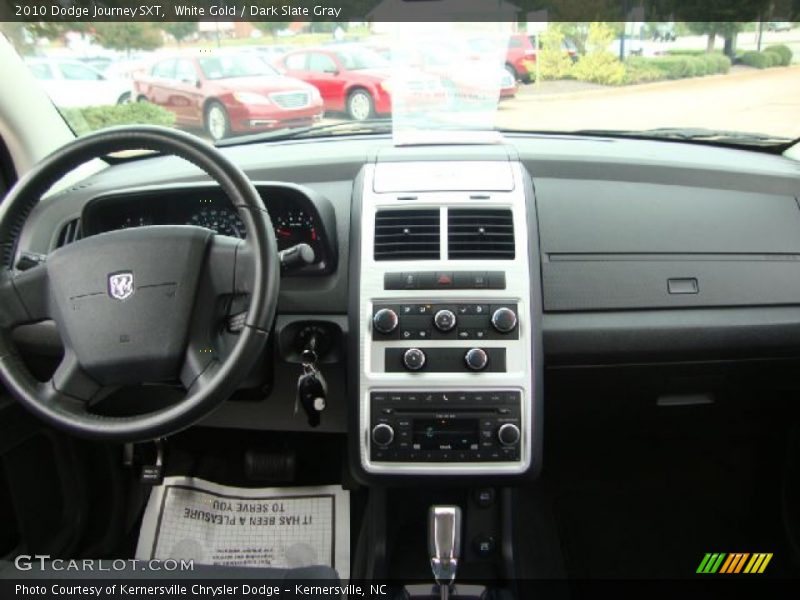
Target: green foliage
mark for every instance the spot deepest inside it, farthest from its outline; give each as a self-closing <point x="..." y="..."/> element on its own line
<point x="55" y="30"/>
<point x="675" y="52"/>
<point x="761" y="60"/>
<point x="92" y="118"/>
<point x="639" y="70"/>
<point x="726" y="29"/>
<point x="599" y="65"/>
<point x="783" y="51"/>
<point x="680" y="66"/>
<point x="576" y="33"/>
<point x="676" y="67"/>
<point x="127" y="36"/>
<point x="19" y="37"/>
<point x="554" y="62"/>
<point x="700" y="66"/>
<point x="723" y="28"/>
<point x="774" y="58"/>
<point x="271" y="27"/>
<point x="722" y="64"/>
<point x="180" y="30"/>
<point x="23" y="36"/>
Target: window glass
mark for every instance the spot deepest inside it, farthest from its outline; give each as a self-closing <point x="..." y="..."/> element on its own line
<point x="41" y="70"/>
<point x="321" y="63"/>
<point x="226" y="66"/>
<point x="184" y="71"/>
<point x="296" y="62"/>
<point x="78" y="72"/>
<point x="164" y="69"/>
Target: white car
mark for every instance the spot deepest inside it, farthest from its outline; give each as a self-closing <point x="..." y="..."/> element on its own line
<point x="71" y="83"/>
<point x="779" y="26"/>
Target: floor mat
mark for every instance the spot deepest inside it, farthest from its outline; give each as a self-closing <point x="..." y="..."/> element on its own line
<point x="189" y="518"/>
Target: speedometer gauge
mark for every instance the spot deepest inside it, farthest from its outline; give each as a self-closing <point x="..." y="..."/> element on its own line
<point x="219" y="220"/>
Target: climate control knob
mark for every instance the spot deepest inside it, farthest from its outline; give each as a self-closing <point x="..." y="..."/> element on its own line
<point x="414" y="359"/>
<point x="476" y="359"/>
<point x="444" y="320"/>
<point x="504" y="320"/>
<point x="385" y="320"/>
<point x="382" y="434"/>
<point x="508" y="434"/>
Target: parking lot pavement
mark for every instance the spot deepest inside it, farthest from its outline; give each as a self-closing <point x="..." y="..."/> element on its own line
<point x="759" y="101"/>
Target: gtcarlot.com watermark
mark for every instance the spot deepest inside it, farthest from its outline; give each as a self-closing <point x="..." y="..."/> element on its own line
<point x="42" y="562"/>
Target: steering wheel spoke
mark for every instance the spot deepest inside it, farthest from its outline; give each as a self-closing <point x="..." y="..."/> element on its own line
<point x="200" y="365"/>
<point x="71" y="383"/>
<point x="220" y="310"/>
<point x="24" y="297"/>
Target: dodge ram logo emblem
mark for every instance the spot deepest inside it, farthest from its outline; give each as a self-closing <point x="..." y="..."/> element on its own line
<point x="120" y="285"/>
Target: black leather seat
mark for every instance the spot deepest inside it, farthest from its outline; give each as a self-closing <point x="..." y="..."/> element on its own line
<point x="139" y="571"/>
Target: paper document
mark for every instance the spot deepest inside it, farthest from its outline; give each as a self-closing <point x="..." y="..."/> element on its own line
<point x="188" y="518"/>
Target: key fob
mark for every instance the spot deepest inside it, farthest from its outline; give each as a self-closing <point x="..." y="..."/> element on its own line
<point x="312" y="395"/>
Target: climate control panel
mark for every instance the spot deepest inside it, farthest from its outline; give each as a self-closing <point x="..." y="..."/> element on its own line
<point x="450" y="321"/>
<point x="445" y="359"/>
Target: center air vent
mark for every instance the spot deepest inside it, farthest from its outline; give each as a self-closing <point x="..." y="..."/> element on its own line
<point x="70" y="232"/>
<point x="407" y="234"/>
<point x="480" y="233"/>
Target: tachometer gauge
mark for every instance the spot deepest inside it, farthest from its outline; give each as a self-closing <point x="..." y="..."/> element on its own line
<point x="219" y="220"/>
<point x="294" y="227"/>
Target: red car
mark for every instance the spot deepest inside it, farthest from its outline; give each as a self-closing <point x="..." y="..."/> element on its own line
<point x="520" y="57"/>
<point x="228" y="94"/>
<point x="351" y="78"/>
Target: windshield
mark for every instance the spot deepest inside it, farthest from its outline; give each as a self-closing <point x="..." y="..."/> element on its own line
<point x="236" y="65"/>
<point x="710" y="82"/>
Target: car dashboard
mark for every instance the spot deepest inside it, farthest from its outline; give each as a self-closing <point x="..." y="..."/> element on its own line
<point x="453" y="283"/>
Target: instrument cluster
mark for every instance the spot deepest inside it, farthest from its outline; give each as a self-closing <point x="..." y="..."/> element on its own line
<point x="295" y="217"/>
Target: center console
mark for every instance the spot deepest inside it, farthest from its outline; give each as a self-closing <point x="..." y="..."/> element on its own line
<point x="447" y="307"/>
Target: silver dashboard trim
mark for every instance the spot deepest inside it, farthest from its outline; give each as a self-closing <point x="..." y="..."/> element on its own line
<point x="520" y="361"/>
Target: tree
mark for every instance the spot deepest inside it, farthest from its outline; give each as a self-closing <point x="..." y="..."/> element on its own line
<point x="24" y="35"/>
<point x="599" y="65"/>
<point x="19" y="36"/>
<point x="730" y="17"/>
<point x="554" y="62"/>
<point x="714" y="28"/>
<point x="180" y="30"/>
<point x="272" y="27"/>
<point x="577" y="33"/>
<point x="128" y="36"/>
<point x="55" y="30"/>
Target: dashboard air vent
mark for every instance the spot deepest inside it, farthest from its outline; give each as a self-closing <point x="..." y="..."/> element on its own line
<point x="407" y="234"/>
<point x="70" y="232"/>
<point x="480" y="233"/>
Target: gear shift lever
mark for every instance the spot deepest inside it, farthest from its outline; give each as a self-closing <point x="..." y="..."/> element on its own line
<point x="444" y="545"/>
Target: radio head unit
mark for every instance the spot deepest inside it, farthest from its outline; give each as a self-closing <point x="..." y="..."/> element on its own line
<point x="445" y="426"/>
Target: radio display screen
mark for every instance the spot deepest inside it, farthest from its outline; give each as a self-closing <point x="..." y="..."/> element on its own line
<point x="445" y="434"/>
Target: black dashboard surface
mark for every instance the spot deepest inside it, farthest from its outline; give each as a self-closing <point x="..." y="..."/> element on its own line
<point x="618" y="220"/>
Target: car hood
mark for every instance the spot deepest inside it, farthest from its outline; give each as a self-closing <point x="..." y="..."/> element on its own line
<point x="261" y="85"/>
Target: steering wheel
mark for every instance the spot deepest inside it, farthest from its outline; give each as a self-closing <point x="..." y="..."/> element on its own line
<point x="138" y="305"/>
